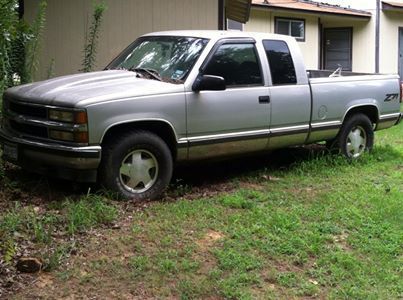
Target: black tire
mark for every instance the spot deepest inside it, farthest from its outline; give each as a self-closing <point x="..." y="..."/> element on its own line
<point x="330" y="146"/>
<point x="152" y="157"/>
<point x="355" y="137"/>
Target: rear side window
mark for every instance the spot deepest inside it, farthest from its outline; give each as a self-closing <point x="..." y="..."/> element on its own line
<point x="237" y="64"/>
<point x="280" y="61"/>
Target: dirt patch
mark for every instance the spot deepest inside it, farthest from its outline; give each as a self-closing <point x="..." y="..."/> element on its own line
<point x="252" y="186"/>
<point x="209" y="239"/>
<point x="308" y="192"/>
<point x="44" y="280"/>
<point x="340" y="240"/>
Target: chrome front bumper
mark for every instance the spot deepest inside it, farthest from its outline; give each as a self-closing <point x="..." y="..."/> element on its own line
<point x="73" y="163"/>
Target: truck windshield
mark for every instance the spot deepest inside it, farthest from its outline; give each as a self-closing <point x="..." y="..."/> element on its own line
<point x="165" y="58"/>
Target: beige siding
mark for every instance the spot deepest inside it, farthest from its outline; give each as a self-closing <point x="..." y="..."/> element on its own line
<point x="389" y="41"/>
<point x="263" y="21"/>
<point x="260" y="21"/>
<point x="124" y="21"/>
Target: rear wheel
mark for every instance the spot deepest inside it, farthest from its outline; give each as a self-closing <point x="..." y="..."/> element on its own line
<point x="137" y="165"/>
<point x="356" y="136"/>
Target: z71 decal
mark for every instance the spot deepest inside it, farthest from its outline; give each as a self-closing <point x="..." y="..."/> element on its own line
<point x="391" y="97"/>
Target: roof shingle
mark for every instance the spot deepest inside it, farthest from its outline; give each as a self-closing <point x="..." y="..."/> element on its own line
<point x="311" y="7"/>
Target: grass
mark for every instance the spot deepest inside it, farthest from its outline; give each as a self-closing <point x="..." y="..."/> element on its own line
<point x="319" y="227"/>
<point x="44" y="226"/>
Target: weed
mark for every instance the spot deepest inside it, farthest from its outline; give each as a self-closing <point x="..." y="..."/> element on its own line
<point x="189" y="290"/>
<point x="287" y="279"/>
<point x="167" y="265"/>
<point x="188" y="265"/>
<point x="236" y="286"/>
<point x="237" y="201"/>
<point x="139" y="265"/>
<point x="54" y="258"/>
<point x="88" y="212"/>
<point x="41" y="226"/>
<point x="91" y="39"/>
<point x="9" y="248"/>
<point x="231" y="259"/>
<point x="34" y="43"/>
<point x="12" y="220"/>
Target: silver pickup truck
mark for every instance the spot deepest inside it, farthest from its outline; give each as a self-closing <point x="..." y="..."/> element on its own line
<point x="189" y="95"/>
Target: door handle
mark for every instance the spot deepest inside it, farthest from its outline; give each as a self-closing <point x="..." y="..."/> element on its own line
<point x="264" y="99"/>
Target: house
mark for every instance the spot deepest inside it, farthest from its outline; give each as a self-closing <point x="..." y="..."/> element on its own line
<point x="361" y="36"/>
<point x="123" y="22"/>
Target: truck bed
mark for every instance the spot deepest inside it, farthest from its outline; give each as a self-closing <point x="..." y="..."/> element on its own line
<point x="327" y="73"/>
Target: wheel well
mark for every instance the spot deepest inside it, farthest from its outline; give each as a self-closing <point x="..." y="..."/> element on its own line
<point x="370" y="111"/>
<point x="160" y="128"/>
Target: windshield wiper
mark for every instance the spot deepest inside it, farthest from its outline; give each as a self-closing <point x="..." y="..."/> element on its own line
<point x="151" y="72"/>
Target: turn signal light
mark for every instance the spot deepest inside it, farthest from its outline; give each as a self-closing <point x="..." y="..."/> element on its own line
<point x="81" y="117"/>
<point x="81" y="137"/>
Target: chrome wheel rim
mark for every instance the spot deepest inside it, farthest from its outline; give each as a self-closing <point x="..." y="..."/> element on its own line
<point x="356" y="142"/>
<point x="138" y="171"/>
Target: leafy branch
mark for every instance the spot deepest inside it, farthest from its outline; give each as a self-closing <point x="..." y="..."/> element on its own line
<point x="33" y="45"/>
<point x="91" y="39"/>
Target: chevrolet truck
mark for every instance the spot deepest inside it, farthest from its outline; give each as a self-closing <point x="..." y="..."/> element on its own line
<point x="180" y="96"/>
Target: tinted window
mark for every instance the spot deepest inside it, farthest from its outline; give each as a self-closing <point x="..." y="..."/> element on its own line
<point x="236" y="63"/>
<point x="281" y="64"/>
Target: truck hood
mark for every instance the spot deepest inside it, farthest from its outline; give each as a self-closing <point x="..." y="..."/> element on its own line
<point x="89" y="88"/>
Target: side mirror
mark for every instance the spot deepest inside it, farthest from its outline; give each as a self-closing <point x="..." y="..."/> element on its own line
<point x="209" y="83"/>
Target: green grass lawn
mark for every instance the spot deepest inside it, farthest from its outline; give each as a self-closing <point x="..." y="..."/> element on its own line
<point x="317" y="226"/>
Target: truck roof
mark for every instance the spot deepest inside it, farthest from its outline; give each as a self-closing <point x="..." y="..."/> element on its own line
<point x="219" y="34"/>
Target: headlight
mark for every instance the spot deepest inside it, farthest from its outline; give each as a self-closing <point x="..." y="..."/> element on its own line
<point x="76" y="117"/>
<point x="75" y="131"/>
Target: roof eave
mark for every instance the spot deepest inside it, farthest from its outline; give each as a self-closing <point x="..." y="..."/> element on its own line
<point x="313" y="12"/>
<point x="390" y="7"/>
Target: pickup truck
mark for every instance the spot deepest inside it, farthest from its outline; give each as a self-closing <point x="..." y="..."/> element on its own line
<point x="180" y="96"/>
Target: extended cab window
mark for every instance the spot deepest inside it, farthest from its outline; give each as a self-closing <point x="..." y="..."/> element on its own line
<point x="280" y="61"/>
<point x="237" y="64"/>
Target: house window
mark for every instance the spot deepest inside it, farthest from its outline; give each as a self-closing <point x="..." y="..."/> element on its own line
<point x="234" y="25"/>
<point x="292" y="27"/>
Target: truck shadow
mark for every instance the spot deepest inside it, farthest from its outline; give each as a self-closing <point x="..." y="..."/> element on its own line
<point x="191" y="180"/>
<point x="207" y="174"/>
<point x="210" y="176"/>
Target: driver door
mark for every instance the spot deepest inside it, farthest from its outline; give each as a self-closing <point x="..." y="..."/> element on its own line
<point x="236" y="120"/>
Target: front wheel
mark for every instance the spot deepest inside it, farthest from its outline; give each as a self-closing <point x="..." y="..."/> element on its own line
<point x="137" y="165"/>
<point x="356" y="136"/>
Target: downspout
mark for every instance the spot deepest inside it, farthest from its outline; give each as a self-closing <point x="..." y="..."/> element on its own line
<point x="377" y="34"/>
<point x="320" y="42"/>
<point x="221" y="15"/>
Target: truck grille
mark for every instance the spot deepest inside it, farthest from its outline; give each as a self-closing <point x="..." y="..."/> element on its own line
<point x="28" y="110"/>
<point x="16" y="111"/>
<point x="33" y="130"/>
